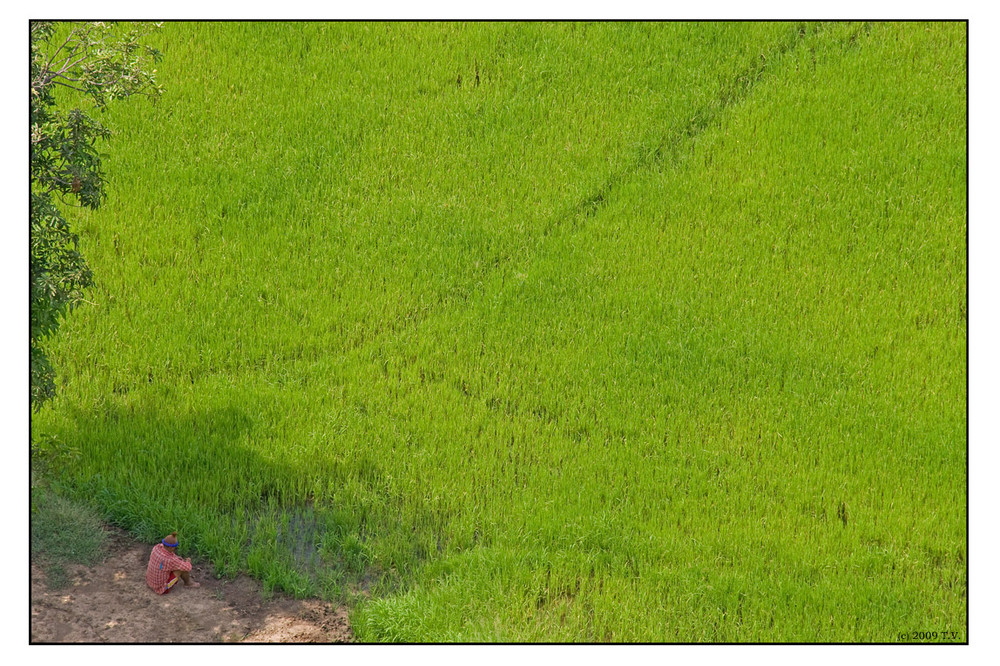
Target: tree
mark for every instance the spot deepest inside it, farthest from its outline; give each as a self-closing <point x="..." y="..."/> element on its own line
<point x="94" y="63"/>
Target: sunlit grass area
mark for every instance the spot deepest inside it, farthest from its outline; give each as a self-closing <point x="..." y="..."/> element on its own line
<point x="541" y="332"/>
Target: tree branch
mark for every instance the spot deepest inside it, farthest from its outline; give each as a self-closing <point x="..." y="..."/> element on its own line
<point x="52" y="57"/>
<point x="60" y="83"/>
<point x="66" y="66"/>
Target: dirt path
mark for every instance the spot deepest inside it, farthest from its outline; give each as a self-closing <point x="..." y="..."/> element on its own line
<point x="110" y="603"/>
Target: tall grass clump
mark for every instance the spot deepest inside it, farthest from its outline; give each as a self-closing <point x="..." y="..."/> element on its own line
<point x="542" y="332"/>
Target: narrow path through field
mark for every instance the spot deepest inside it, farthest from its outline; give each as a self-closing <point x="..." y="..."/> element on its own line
<point x="110" y="603"/>
<point x="664" y="147"/>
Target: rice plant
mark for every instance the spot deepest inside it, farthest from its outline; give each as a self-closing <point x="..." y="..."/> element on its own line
<point x="541" y="332"/>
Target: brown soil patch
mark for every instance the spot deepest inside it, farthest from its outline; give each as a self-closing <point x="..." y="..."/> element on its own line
<point x="110" y="603"/>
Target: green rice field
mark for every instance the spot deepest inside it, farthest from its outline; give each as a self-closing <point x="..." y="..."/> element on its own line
<point x="540" y="332"/>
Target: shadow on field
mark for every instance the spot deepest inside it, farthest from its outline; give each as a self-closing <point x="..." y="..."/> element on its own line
<point x="153" y="449"/>
<point x="156" y="469"/>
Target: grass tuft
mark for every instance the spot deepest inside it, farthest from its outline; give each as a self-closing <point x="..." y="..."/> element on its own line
<point x="64" y="532"/>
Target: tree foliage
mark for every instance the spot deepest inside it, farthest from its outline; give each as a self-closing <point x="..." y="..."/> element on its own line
<point x="76" y="69"/>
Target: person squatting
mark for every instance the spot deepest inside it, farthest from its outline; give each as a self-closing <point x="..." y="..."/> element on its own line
<point x="165" y="568"/>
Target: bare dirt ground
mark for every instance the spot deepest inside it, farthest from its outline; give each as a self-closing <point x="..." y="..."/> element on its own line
<point x="110" y="603"/>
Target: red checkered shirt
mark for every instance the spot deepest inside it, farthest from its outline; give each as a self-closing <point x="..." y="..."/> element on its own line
<point x="161" y="562"/>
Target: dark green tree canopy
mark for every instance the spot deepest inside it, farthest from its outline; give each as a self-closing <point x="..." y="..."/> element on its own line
<point x="76" y="69"/>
